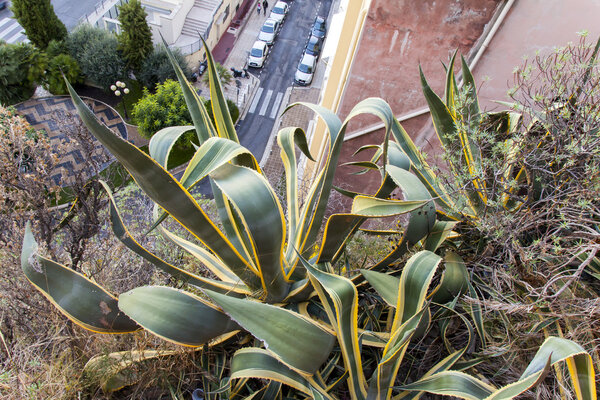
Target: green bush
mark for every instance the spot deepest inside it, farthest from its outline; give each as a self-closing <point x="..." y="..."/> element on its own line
<point x="157" y="68"/>
<point x="59" y="66"/>
<point x="135" y="39"/>
<point x="21" y="68"/>
<point x="158" y="110"/>
<point x="97" y="52"/>
<point x="40" y="22"/>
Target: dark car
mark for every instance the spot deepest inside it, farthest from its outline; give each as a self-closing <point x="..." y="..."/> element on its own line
<point x="319" y="29"/>
<point x="313" y="46"/>
<point x="3" y="4"/>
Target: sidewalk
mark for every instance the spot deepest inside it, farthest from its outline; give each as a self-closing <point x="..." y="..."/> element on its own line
<point x="232" y="52"/>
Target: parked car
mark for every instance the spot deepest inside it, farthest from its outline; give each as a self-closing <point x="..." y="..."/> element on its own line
<point x="269" y="31"/>
<point x="313" y="46"/>
<point x="319" y="28"/>
<point x="258" y="54"/>
<point x="306" y="70"/>
<point x="3" y="4"/>
<point x="279" y="11"/>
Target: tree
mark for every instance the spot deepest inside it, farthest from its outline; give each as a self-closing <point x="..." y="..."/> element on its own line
<point x="60" y="67"/>
<point x="21" y="69"/>
<point x="135" y="39"/>
<point x="40" y="22"/>
<point x="157" y="67"/>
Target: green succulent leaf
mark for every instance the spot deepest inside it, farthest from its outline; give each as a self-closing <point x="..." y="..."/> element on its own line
<point x="252" y="362"/>
<point x="164" y="189"/>
<point x="455" y="279"/>
<point x="298" y="342"/>
<point x="175" y="315"/>
<point x="77" y="297"/>
<point x="262" y="218"/>
<point x="163" y="141"/>
<point x="340" y="300"/>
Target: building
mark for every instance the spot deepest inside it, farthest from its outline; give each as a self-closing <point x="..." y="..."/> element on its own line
<point x="180" y="22"/>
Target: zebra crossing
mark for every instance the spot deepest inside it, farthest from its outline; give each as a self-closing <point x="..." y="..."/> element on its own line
<point x="267" y="108"/>
<point x="11" y="31"/>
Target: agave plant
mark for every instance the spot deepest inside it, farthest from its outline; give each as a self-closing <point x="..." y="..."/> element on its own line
<point x="264" y="266"/>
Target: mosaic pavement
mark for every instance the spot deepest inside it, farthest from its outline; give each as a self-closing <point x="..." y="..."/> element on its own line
<point x="41" y="114"/>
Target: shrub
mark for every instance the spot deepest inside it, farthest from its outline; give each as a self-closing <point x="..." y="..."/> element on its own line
<point x="21" y="69"/>
<point x="60" y="67"/>
<point x="135" y="39"/>
<point x="98" y="55"/>
<point x="40" y="22"/>
<point x="166" y="107"/>
<point x="157" y="68"/>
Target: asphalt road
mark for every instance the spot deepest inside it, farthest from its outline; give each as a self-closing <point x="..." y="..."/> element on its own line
<point x="278" y="73"/>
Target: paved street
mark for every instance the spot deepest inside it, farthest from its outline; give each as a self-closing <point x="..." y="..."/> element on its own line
<point x="278" y="73"/>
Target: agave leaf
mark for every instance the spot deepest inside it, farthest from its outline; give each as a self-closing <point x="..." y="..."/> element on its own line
<point x="125" y="237"/>
<point x="453" y="139"/>
<point x="195" y="105"/>
<point x="115" y="370"/>
<point x="162" y="142"/>
<point x="441" y="231"/>
<point x="340" y="300"/>
<point x="381" y="382"/>
<point x="452" y="383"/>
<point x="81" y="300"/>
<point x="262" y="217"/>
<point x="451" y="87"/>
<point x="276" y="326"/>
<point x="455" y="279"/>
<point x="252" y="362"/>
<point x="385" y="285"/>
<point x="468" y="81"/>
<point x="176" y="316"/>
<point x="225" y="126"/>
<point x="286" y="139"/>
<point x="367" y="206"/>
<point x="421" y="220"/>
<point x="164" y="189"/>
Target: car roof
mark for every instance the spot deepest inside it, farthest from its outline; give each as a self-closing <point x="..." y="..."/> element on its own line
<point x="259" y="44"/>
<point x="320" y="19"/>
<point x="270" y="21"/>
<point x="313" y="39"/>
<point x="308" y="58"/>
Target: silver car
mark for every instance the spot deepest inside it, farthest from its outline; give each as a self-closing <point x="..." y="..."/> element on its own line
<point x="258" y="54"/>
<point x="279" y="11"/>
<point x="269" y="31"/>
<point x="306" y="70"/>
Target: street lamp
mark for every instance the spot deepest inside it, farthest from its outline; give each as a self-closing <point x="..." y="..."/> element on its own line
<point x="116" y="88"/>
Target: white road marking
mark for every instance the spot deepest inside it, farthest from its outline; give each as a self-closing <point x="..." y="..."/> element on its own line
<point x="9" y="27"/>
<point x="276" y="104"/>
<point x="14" y="38"/>
<point x="255" y="101"/>
<point x="263" y="109"/>
<point x="6" y="20"/>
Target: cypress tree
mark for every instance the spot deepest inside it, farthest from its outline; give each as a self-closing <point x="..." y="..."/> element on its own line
<point x="40" y="22"/>
<point x="135" y="39"/>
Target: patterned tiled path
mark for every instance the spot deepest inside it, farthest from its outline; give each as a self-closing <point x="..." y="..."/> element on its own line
<point x="41" y="114"/>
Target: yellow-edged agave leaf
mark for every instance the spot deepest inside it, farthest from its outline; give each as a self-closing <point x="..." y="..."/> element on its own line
<point x="175" y="315"/>
<point x="195" y="105"/>
<point x="469" y="83"/>
<point x="164" y="189"/>
<point x="421" y="220"/>
<point x="253" y="362"/>
<point x="125" y="237"/>
<point x="262" y="218"/>
<point x="441" y="231"/>
<point x="452" y="383"/>
<point x="367" y="206"/>
<point x="222" y="118"/>
<point x="414" y="283"/>
<point x="385" y="285"/>
<point x="455" y="279"/>
<point x="453" y="139"/>
<point x="211" y="262"/>
<point x="451" y="87"/>
<point x="311" y="216"/>
<point x="286" y="138"/>
<point x="552" y="351"/>
<point x="297" y="341"/>
<point x="81" y="300"/>
<point x="161" y="143"/>
<point x="340" y="299"/>
<point x="381" y="382"/>
<point x="117" y="370"/>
